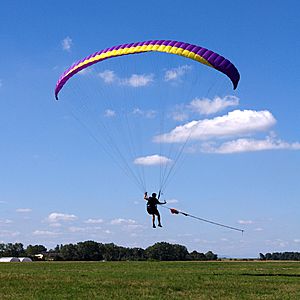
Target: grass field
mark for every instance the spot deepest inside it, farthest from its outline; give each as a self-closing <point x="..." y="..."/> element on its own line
<point x="150" y="280"/>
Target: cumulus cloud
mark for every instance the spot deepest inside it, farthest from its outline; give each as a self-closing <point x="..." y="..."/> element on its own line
<point x="5" y="221"/>
<point x="121" y="221"/>
<point x="245" y="222"/>
<point x="67" y="44"/>
<point x="109" y="113"/>
<point x="176" y="73"/>
<point x="172" y="201"/>
<point x="205" y="106"/>
<point x="234" y="123"/>
<point x="76" y="229"/>
<point x="23" y="210"/>
<point x="152" y="160"/>
<point x="136" y="80"/>
<point x="86" y="71"/>
<point x="179" y="115"/>
<point x="224" y="239"/>
<point x="250" y="145"/>
<point x="149" y="114"/>
<point x="258" y="229"/>
<point x="138" y="111"/>
<point x="277" y="243"/>
<point x="108" y="76"/>
<point x="56" y="217"/>
<point x="55" y="224"/>
<point x="9" y="233"/>
<point x="93" y="221"/>
<point x="87" y="230"/>
<point x="45" y="233"/>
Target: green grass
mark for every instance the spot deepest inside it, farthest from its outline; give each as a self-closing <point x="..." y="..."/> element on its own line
<point x="150" y="280"/>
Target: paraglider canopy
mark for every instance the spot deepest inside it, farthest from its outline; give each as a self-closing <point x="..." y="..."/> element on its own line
<point x="130" y="108"/>
<point x="194" y="52"/>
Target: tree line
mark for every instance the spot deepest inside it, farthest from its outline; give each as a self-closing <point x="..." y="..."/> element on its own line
<point x="280" y="256"/>
<point x="94" y="251"/>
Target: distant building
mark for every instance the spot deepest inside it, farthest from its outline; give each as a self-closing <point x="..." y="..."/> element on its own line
<point x="25" y="259"/>
<point x="39" y="256"/>
<point x="9" y="259"/>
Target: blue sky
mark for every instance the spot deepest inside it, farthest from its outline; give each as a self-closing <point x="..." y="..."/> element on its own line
<point x="57" y="186"/>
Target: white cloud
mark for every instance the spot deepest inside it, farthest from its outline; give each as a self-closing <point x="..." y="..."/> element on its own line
<point x="121" y="221"/>
<point x="136" y="80"/>
<point x="5" y="221"/>
<point x="108" y="76"/>
<point x="245" y="222"/>
<point x="133" y="227"/>
<point x="149" y="114"/>
<point x="152" y="160"/>
<point x="176" y="73"/>
<point x="77" y="229"/>
<point x="45" y="233"/>
<point x="109" y="113"/>
<point x="172" y="201"/>
<point x="86" y="230"/>
<point x="86" y="71"/>
<point x="179" y="116"/>
<point x="9" y="233"/>
<point x="250" y="145"/>
<point x="234" y="123"/>
<point x="138" y="111"/>
<point x="93" y="221"/>
<point x="56" y="217"/>
<point x="67" y="44"/>
<point x="258" y="229"/>
<point x="297" y="240"/>
<point x="277" y="243"/>
<point x="55" y="224"/>
<point x="23" y="210"/>
<point x="203" y="106"/>
<point x="207" y="106"/>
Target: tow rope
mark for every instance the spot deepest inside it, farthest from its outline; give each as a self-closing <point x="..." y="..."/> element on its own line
<point x="176" y="212"/>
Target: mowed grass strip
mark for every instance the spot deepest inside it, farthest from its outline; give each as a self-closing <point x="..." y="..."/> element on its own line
<point x="150" y="280"/>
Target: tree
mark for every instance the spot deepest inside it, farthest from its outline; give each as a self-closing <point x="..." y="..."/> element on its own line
<point x="282" y="256"/>
<point x="89" y="250"/>
<point x="211" y="256"/>
<point x="261" y="256"/>
<point x="11" y="249"/>
<point x="166" y="251"/>
<point x="268" y="256"/>
<point x="2" y="249"/>
<point x="32" y="250"/>
<point x="69" y="252"/>
<point x="197" y="256"/>
<point x="110" y="252"/>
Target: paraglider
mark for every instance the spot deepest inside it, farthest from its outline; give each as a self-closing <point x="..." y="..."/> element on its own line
<point x="152" y="203"/>
<point x="116" y="106"/>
